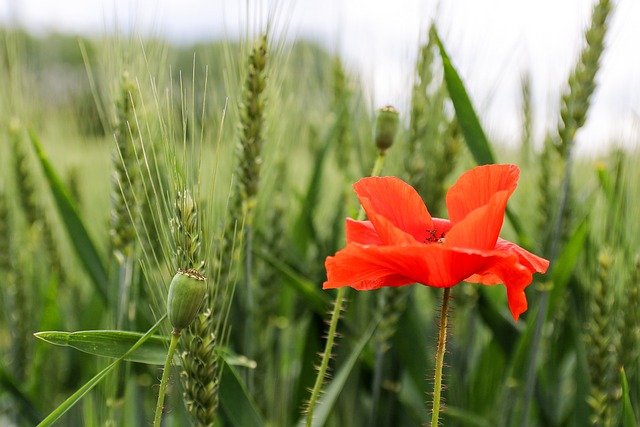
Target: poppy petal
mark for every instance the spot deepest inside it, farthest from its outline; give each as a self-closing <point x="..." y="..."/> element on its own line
<point x="533" y="262"/>
<point x="475" y="188"/>
<point x="481" y="227"/>
<point x="389" y="234"/>
<point x="353" y="266"/>
<point x="361" y="232"/>
<point x="397" y="201"/>
<point x="505" y="268"/>
<point x="441" y="225"/>
<point x="359" y="266"/>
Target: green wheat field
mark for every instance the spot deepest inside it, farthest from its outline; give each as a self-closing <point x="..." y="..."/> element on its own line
<point x="122" y="161"/>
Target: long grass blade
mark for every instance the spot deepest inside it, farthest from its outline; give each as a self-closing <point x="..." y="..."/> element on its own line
<point x="628" y="417"/>
<point x="471" y="127"/>
<point x="78" y="235"/>
<point x="235" y="400"/>
<point x="28" y="409"/>
<point x="467" y="118"/>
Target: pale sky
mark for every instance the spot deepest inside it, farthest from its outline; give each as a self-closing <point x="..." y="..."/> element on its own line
<point x="491" y="42"/>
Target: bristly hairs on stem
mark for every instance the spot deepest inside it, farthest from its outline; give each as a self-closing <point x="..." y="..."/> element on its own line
<point x="443" y="331"/>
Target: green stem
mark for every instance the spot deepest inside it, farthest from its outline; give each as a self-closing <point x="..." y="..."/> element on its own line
<point x="333" y="323"/>
<point x="442" y="346"/>
<point x="249" y="321"/>
<point x="376" y="171"/>
<point x="333" y="326"/>
<point x="175" y="337"/>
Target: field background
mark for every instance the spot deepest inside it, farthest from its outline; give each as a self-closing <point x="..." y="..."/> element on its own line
<point x="156" y="157"/>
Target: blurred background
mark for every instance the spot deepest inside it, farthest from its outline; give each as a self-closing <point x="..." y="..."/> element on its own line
<point x="493" y="43"/>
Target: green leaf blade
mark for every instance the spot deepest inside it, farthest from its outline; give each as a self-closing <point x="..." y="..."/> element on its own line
<point x="628" y="416"/>
<point x="235" y="400"/>
<point x="88" y="386"/>
<point x="111" y="344"/>
<point x="467" y="118"/>
<point x="78" y="235"/>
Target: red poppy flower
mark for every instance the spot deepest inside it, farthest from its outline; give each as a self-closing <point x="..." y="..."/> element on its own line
<point x="402" y="244"/>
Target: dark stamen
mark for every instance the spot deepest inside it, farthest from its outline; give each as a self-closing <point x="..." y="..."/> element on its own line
<point x="433" y="237"/>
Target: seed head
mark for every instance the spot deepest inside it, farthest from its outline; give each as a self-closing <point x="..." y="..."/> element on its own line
<point x="386" y="127"/>
<point x="186" y="294"/>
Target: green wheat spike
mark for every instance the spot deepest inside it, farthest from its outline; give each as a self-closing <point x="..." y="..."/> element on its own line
<point x="527" y="119"/>
<point x="573" y="113"/>
<point x="9" y="289"/>
<point x="249" y="149"/>
<point x="186" y="233"/>
<point x="252" y="124"/>
<point x="23" y="177"/>
<point x="125" y="175"/>
<point x="630" y="331"/>
<point x="418" y="124"/>
<point x="340" y="106"/>
<point x="451" y="144"/>
<point x="546" y="194"/>
<point x="236" y="243"/>
<point x="6" y="260"/>
<point x="21" y="300"/>
<point x="602" y="342"/>
<point x="576" y="102"/>
<point x="51" y="248"/>
<point x="6" y="239"/>
<point x="432" y="142"/>
<point x="200" y="374"/>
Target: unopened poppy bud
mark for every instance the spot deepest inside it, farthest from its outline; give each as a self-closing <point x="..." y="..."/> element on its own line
<point x="386" y="127"/>
<point x="186" y="294"/>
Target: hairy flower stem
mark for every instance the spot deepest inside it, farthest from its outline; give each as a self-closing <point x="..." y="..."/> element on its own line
<point x="333" y="326"/>
<point x="442" y="346"/>
<point x="175" y="337"/>
<point x="335" y="316"/>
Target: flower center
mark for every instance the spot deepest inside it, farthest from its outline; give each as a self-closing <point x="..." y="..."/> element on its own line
<point x="434" y="236"/>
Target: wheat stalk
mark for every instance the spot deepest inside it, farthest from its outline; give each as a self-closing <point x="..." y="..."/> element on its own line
<point x="125" y="179"/>
<point x="602" y="341"/>
<point x="199" y="360"/>
<point x="582" y="81"/>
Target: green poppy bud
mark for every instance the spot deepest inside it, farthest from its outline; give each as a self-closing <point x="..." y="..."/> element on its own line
<point x="386" y="127"/>
<point x="186" y="294"/>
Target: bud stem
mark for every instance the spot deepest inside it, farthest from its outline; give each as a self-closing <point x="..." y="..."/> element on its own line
<point x="175" y="337"/>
